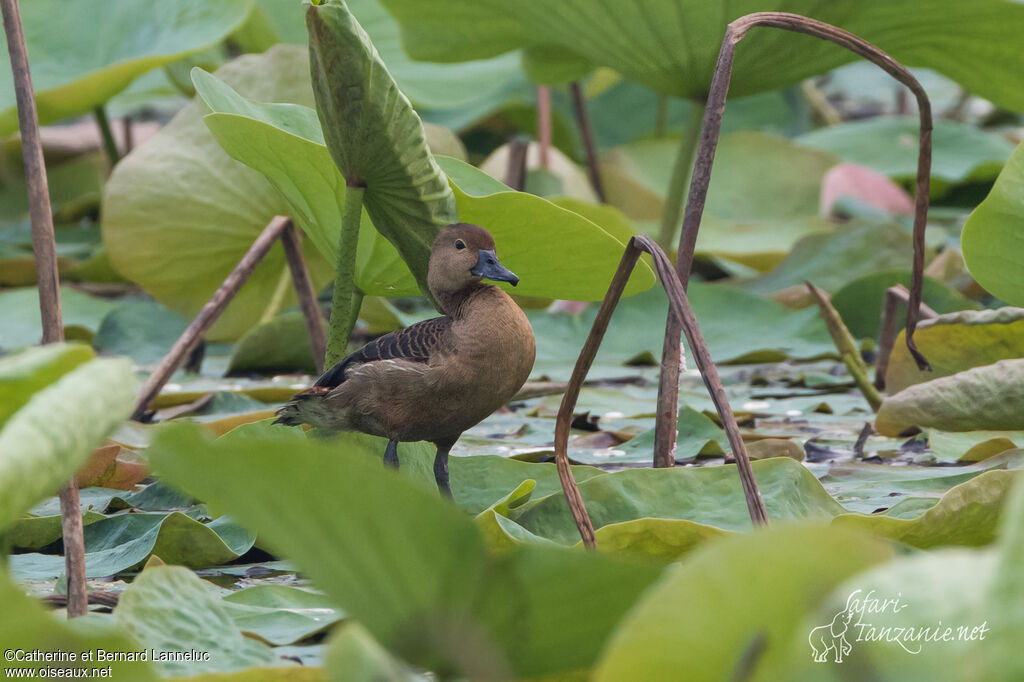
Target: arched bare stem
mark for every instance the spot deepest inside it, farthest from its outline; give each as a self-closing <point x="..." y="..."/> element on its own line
<point x="679" y="308"/>
<point x="701" y="177"/>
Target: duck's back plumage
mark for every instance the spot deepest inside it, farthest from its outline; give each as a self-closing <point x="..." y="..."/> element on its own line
<point x="415" y="343"/>
<point x="429" y="381"/>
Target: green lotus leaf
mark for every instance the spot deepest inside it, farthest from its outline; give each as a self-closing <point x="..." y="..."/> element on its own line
<point x="707" y="495"/>
<point x="983" y="398"/>
<point x="179" y="213"/>
<point x="768" y="448"/>
<point x="523" y="225"/>
<point x="972" y="446"/>
<point x="375" y="136"/>
<point x="904" y="492"/>
<point x="704" y="614"/>
<point x="143" y="330"/>
<point x="480" y="84"/>
<point x="502" y="533"/>
<point x="120" y="542"/>
<point x="923" y="583"/>
<point x="168" y="608"/>
<point x="975" y="593"/>
<point x="285" y="142"/>
<point x="889" y="144"/>
<point x="956" y="342"/>
<point x="442" y="596"/>
<point x="725" y="315"/>
<point x="831" y="258"/>
<point x="81" y="314"/>
<point x="623" y="112"/>
<point x="993" y="237"/>
<point x="665" y="539"/>
<point x="74" y="71"/>
<point x="45" y="441"/>
<point x="562" y="177"/>
<point x="23" y="374"/>
<point x="484" y="479"/>
<point x="763" y="196"/>
<point x="27" y="625"/>
<point x="966" y="515"/>
<point x="672" y="45"/>
<point x="281" y="614"/>
<point x="696" y="434"/>
<point x="75" y="185"/>
<point x="36" y="532"/>
<point x="279" y="345"/>
<point x="859" y="301"/>
<point x="354" y="654"/>
<point x="1005" y="594"/>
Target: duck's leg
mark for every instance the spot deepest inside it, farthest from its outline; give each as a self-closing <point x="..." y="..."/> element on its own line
<point x="441" y="468"/>
<point x="391" y="454"/>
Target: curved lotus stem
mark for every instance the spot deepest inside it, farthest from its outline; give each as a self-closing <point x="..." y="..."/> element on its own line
<point x="735" y="32"/>
<point x="679" y="308"/>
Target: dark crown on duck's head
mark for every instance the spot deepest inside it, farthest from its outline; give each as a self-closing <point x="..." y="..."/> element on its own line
<point x="461" y="255"/>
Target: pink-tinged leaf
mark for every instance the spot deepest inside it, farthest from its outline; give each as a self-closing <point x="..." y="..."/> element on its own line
<point x="866" y="185"/>
<point x="111" y="466"/>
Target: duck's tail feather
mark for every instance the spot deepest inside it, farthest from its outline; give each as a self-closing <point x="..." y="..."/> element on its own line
<point x="292" y="413"/>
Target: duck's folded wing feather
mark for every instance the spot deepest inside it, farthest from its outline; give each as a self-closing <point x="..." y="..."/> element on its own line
<point x="404" y="349"/>
<point x="415" y="343"/>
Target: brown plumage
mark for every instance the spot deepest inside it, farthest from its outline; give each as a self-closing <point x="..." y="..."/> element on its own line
<point x="432" y="380"/>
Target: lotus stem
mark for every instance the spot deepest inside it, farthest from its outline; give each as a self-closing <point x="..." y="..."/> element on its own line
<point x="109" y="145"/>
<point x="673" y="208"/>
<point x="681" y="311"/>
<point x="73" y="536"/>
<point x="44" y="245"/>
<point x="346" y="299"/>
<point x="515" y="172"/>
<point x="701" y="178"/>
<point x="291" y="239"/>
<point x="129" y="134"/>
<point x="712" y="126"/>
<point x="826" y="114"/>
<point x="579" y="104"/>
<point x="544" y="123"/>
<point x="847" y="347"/>
<point x="894" y="296"/>
<point x="672" y="352"/>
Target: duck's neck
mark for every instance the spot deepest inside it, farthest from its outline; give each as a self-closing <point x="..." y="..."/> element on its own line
<point x="456" y="304"/>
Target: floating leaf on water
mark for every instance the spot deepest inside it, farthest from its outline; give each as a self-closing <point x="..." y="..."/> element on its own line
<point x="984" y="398"/>
<point x="956" y="342"/>
<point x="169" y="609"/>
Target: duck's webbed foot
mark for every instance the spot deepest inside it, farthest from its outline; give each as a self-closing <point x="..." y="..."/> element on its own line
<point x="391" y="454"/>
<point x="441" y="468"/>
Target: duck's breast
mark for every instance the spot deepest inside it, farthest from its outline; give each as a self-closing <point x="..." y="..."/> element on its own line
<point x="495" y="352"/>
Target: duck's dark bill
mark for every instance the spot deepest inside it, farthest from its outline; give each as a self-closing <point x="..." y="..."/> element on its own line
<point x="490" y="267"/>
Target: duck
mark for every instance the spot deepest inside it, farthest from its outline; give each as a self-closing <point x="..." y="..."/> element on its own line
<point x="433" y="380"/>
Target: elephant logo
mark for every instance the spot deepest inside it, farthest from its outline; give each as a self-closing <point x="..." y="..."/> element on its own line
<point x="832" y="637"/>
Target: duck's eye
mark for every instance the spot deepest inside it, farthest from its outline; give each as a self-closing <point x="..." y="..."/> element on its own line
<point x="459" y="244"/>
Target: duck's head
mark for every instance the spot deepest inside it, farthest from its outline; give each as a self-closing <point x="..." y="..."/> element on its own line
<point x="462" y="255"/>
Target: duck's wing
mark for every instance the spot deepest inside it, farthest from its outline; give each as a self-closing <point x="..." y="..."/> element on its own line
<point x="408" y="347"/>
<point x="415" y="343"/>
